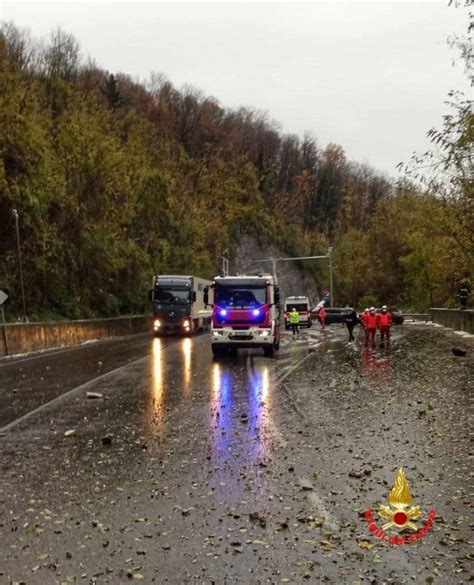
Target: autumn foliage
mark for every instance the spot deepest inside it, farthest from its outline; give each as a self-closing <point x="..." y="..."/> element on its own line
<point x="116" y="179"/>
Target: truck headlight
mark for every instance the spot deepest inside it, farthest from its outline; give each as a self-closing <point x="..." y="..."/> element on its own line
<point x="185" y="323"/>
<point x="264" y="333"/>
<point x="156" y="324"/>
<point x="217" y="333"/>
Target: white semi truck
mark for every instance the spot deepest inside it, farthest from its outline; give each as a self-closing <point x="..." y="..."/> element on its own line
<point x="178" y="304"/>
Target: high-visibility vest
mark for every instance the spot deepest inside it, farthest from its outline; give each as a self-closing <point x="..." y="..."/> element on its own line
<point x="294" y="317"/>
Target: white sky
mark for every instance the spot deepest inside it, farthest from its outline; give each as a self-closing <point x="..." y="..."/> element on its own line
<point x="371" y="76"/>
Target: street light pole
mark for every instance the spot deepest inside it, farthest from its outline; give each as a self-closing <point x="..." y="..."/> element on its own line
<point x="16" y="216"/>
<point x="225" y="264"/>
<point x="274" y="268"/>
<point x="331" y="299"/>
<point x="273" y="261"/>
<point x="327" y="256"/>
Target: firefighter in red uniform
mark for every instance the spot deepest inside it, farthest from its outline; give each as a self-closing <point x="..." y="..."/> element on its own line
<point x="370" y="323"/>
<point x="363" y="317"/>
<point x="322" y="317"/>
<point x="385" y="322"/>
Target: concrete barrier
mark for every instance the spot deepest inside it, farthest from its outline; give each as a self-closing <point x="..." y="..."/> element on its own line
<point x="25" y="337"/>
<point x="455" y="319"/>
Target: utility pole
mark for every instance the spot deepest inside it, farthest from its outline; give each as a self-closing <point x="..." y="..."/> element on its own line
<point x="331" y="298"/>
<point x="16" y="216"/>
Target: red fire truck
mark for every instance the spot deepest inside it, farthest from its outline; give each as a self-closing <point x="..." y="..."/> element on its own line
<point x="245" y="313"/>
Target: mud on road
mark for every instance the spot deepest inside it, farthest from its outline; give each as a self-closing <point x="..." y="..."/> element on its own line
<point x="244" y="470"/>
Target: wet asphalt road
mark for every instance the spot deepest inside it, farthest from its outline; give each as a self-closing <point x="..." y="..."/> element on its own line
<point x="243" y="470"/>
<point x="28" y="382"/>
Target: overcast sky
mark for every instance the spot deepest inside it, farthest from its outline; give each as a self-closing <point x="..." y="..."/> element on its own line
<point x="371" y="76"/>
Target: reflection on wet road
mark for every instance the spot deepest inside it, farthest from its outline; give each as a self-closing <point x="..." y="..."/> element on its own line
<point x="375" y="366"/>
<point x="186" y="349"/>
<point x="157" y="384"/>
<point x="249" y="389"/>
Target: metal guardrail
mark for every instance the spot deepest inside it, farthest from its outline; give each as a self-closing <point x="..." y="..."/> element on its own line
<point x="426" y="317"/>
<point x="457" y="319"/>
<point x="28" y="337"/>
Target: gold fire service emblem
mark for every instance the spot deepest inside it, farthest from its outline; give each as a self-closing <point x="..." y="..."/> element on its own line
<point x="400" y="512"/>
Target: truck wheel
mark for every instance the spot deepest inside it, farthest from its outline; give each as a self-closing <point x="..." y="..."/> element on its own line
<point x="217" y="350"/>
<point x="268" y="350"/>
<point x="309" y="324"/>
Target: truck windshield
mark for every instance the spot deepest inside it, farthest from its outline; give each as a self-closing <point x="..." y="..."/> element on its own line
<point x="172" y="295"/>
<point x="240" y="297"/>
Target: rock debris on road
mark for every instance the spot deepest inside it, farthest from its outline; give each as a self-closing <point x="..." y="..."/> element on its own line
<point x="181" y="469"/>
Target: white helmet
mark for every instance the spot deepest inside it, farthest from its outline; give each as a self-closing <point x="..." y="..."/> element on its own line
<point x="372" y="309"/>
<point x="384" y="306"/>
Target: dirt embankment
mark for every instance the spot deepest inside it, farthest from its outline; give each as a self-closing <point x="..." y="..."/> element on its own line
<point x="291" y="278"/>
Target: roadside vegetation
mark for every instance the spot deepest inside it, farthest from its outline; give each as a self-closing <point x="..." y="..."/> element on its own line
<point x="115" y="179"/>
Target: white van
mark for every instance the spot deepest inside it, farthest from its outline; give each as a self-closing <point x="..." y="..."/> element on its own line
<point x="301" y="304"/>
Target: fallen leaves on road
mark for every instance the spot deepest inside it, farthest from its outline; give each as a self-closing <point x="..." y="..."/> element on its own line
<point x="365" y="544"/>
<point x="327" y="544"/>
<point x="258" y="518"/>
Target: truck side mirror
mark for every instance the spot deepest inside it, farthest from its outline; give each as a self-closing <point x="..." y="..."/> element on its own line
<point x="206" y="295"/>
<point x="194" y="296"/>
<point x="276" y="295"/>
<point x="151" y="296"/>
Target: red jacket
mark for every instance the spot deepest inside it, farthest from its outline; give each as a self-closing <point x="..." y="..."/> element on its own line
<point x="385" y="319"/>
<point x="371" y="321"/>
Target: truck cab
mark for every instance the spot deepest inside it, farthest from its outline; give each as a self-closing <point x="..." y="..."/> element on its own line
<point x="245" y="313"/>
<point x="301" y="304"/>
<point x="178" y="304"/>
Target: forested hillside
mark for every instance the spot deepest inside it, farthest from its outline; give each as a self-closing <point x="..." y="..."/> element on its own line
<point x="115" y="180"/>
